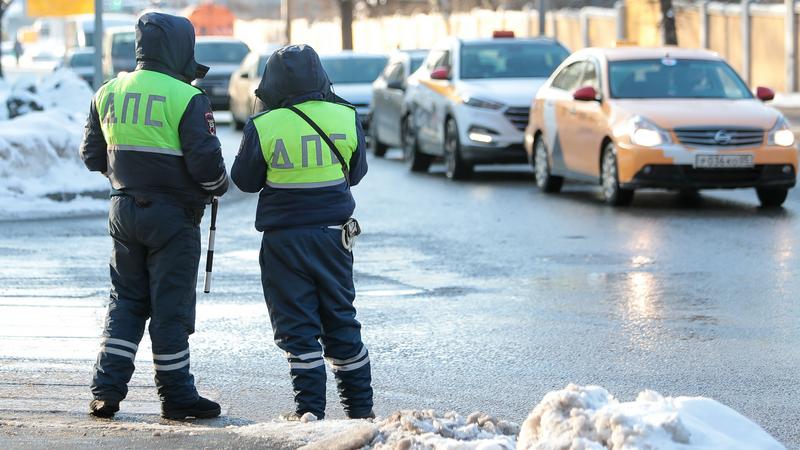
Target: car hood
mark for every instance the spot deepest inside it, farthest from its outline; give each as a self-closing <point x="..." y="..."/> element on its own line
<point x="511" y="92"/>
<point x="355" y="93"/>
<point x="222" y="69"/>
<point x="676" y="113"/>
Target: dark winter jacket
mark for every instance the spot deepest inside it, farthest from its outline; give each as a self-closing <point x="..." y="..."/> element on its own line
<point x="294" y="74"/>
<point x="165" y="44"/>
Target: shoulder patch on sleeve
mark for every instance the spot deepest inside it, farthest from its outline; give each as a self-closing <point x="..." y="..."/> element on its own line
<point x="212" y="125"/>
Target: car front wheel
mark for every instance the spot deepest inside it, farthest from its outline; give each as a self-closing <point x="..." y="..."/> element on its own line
<point x="416" y="160"/>
<point x="545" y="180"/>
<point x="378" y="148"/>
<point x="238" y="125"/>
<point x="772" y="197"/>
<point x="457" y="168"/>
<point x="612" y="192"/>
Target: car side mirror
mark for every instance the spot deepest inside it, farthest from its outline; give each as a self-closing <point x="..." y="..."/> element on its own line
<point x="765" y="94"/>
<point x="440" y="73"/>
<point x="585" y="94"/>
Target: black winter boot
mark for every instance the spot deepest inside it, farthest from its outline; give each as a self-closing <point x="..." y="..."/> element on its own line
<point x="369" y="415"/>
<point x="104" y="409"/>
<point x="203" y="408"/>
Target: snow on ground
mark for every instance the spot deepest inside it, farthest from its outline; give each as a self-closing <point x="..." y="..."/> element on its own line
<point x="589" y="417"/>
<point x="41" y="174"/>
<point x="574" y="418"/>
<point x="407" y="430"/>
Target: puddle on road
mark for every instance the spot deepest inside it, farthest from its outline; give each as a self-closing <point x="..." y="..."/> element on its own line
<point x="650" y="310"/>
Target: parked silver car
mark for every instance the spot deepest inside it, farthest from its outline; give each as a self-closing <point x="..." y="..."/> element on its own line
<point x="243" y="84"/>
<point x="223" y="55"/>
<point x="81" y="61"/>
<point x="388" y="93"/>
<point x="352" y="75"/>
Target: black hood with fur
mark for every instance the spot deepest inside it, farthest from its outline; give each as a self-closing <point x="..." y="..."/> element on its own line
<point x="293" y="72"/>
<point x="165" y="43"/>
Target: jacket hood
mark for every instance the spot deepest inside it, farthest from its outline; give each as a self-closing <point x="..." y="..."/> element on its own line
<point x="166" y="43"/>
<point x="293" y="72"/>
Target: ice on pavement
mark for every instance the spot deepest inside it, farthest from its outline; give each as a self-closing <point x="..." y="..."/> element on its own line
<point x="39" y="151"/>
<point x="574" y="418"/>
<point x="589" y="417"/>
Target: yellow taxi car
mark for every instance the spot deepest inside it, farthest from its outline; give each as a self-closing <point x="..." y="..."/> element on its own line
<point x="671" y="118"/>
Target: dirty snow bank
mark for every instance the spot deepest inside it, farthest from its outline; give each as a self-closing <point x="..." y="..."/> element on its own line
<point x="589" y="417"/>
<point x="574" y="418"/>
<point x="407" y="430"/>
<point x="403" y="430"/>
<point x="41" y="174"/>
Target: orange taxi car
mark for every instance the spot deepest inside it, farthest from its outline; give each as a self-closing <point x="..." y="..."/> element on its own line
<point x="671" y="118"/>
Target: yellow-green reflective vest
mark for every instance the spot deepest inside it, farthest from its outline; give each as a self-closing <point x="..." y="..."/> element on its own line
<point x="296" y="156"/>
<point x="141" y="110"/>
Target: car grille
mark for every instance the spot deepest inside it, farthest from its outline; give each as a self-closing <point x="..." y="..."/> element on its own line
<point x="723" y="137"/>
<point x="213" y="81"/>
<point x="722" y="175"/>
<point x="518" y="116"/>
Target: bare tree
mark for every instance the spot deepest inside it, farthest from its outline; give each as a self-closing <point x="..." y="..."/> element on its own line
<point x="668" y="22"/>
<point x="4" y="4"/>
<point x="346" y="14"/>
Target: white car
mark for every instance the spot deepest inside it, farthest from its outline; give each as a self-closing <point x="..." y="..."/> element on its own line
<point x="352" y="75"/>
<point x="469" y="101"/>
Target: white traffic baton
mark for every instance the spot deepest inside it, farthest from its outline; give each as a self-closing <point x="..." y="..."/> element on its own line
<point x="210" y="255"/>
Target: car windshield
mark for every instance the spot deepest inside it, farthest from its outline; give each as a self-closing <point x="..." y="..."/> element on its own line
<point x="262" y="65"/>
<point x="123" y="45"/>
<point x="675" y="78"/>
<point x="510" y="60"/>
<point x="210" y="53"/>
<point x="352" y="70"/>
<point x="415" y="63"/>
<point x="81" y="60"/>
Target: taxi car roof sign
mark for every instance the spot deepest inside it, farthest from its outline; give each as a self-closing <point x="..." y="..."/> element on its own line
<point x="503" y="34"/>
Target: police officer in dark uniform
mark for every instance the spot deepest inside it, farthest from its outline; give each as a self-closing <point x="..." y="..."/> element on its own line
<point x="306" y="261"/>
<point x="153" y="135"/>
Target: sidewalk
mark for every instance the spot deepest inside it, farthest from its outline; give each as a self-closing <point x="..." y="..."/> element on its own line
<point x="40" y="431"/>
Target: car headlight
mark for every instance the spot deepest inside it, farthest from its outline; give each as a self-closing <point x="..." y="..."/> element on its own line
<point x="781" y="135"/>
<point x="645" y="133"/>
<point x="480" y="103"/>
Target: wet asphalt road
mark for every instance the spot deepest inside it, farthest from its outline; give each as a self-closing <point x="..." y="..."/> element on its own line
<point x="481" y="295"/>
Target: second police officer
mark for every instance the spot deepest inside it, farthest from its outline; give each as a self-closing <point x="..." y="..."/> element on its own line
<point x="303" y="154"/>
<point x="153" y="135"/>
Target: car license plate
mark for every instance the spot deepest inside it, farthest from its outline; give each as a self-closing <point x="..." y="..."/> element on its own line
<point x="723" y="161"/>
<point x="219" y="91"/>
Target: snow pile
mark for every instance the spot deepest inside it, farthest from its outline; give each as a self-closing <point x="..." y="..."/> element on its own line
<point x="574" y="418"/>
<point x="41" y="173"/>
<point x="412" y="430"/>
<point x="588" y="417"/>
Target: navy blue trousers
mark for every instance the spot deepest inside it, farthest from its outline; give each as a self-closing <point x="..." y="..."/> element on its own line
<point x="153" y="276"/>
<point x="308" y="284"/>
